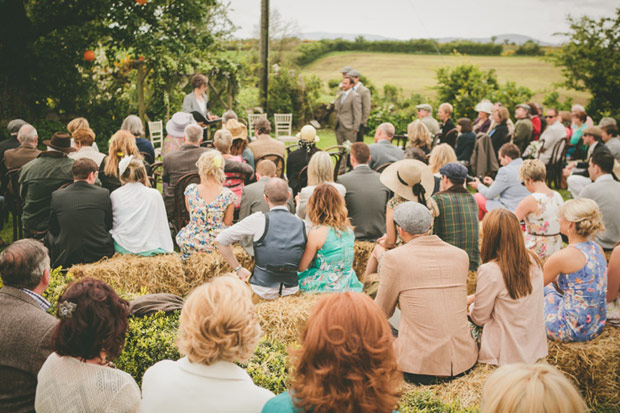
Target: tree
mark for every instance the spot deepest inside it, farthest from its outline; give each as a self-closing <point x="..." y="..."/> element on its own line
<point x="590" y="60"/>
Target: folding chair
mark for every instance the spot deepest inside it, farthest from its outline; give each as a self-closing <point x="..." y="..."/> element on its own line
<point x="156" y="135"/>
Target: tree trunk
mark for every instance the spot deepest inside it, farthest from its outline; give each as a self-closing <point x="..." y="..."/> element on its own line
<point x="264" y="53"/>
<point x="140" y="87"/>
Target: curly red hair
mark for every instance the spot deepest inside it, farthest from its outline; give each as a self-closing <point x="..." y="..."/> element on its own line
<point x="346" y="362"/>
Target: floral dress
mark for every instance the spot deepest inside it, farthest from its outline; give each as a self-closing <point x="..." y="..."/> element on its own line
<point x="579" y="310"/>
<point x="542" y="233"/>
<point x="206" y="221"/>
<point x="332" y="269"/>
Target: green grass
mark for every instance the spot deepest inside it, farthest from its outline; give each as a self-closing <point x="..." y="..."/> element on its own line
<point x="416" y="73"/>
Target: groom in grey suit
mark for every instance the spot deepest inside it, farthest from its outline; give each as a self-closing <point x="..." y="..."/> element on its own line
<point x="349" y="112"/>
<point x="366" y="196"/>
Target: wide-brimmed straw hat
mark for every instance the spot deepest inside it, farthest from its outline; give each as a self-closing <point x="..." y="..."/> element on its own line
<point x="236" y="129"/>
<point x="484" y="106"/>
<point x="410" y="179"/>
<point x="308" y="134"/>
<point x="176" y="125"/>
<point x="61" y="142"/>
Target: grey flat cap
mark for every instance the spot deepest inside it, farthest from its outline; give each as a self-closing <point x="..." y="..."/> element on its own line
<point x="425" y="106"/>
<point x="454" y="170"/>
<point x="354" y="73"/>
<point x="346" y="69"/>
<point x="607" y="121"/>
<point x="15" y="125"/>
<point x="413" y="218"/>
<point x="524" y="106"/>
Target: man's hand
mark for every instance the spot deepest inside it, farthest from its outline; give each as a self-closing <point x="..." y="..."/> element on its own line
<point x="243" y="274"/>
<point x="487" y="180"/>
<point x="474" y="184"/>
<point x="569" y="168"/>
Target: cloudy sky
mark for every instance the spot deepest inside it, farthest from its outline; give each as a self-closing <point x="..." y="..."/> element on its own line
<point x="405" y="19"/>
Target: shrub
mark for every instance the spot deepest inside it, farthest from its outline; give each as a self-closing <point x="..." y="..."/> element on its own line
<point x="289" y="92"/>
<point x="530" y="48"/>
<point x="269" y="366"/>
<point x="552" y="100"/>
<point x="424" y="401"/>
<point x="393" y="107"/>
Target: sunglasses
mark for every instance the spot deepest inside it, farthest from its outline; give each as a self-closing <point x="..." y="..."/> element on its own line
<point x="549" y="117"/>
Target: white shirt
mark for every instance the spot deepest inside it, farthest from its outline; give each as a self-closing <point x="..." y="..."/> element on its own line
<point x="88" y="152"/>
<point x="183" y="386"/>
<point x="139" y="217"/>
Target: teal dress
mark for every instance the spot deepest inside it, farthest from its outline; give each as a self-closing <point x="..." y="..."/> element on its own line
<point x="283" y="403"/>
<point x="332" y="268"/>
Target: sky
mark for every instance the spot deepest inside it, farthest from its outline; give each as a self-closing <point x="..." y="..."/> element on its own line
<point x="406" y="19"/>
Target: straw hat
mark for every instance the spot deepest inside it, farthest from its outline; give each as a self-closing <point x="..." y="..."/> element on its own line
<point x="308" y="134"/>
<point x="410" y="179"/>
<point x="484" y="106"/>
<point x="236" y="129"/>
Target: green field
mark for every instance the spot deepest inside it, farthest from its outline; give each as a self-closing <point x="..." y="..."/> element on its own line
<point x="416" y="73"/>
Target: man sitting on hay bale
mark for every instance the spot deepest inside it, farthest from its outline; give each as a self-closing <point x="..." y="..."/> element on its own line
<point x="279" y="242"/>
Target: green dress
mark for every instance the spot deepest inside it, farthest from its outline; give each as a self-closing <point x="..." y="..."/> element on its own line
<point x="332" y="268"/>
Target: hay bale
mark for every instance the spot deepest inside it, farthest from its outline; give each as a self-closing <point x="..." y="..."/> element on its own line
<point x="594" y="365"/>
<point x="201" y="267"/>
<point x="471" y="282"/>
<point x="363" y="249"/>
<point x="284" y="318"/>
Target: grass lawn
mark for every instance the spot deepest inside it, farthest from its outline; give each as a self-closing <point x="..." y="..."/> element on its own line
<point x="416" y="73"/>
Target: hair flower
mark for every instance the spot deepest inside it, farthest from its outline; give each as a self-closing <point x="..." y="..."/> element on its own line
<point x="66" y="309"/>
<point x="123" y="164"/>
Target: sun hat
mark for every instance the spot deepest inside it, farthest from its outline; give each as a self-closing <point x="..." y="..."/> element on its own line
<point x="176" y="125"/>
<point x="414" y="218"/>
<point x="236" y="129"/>
<point x="484" y="106"/>
<point x="308" y="134"/>
<point x="15" y="125"/>
<point x="61" y="142"/>
<point x="409" y="179"/>
<point x="425" y="106"/>
<point x="594" y="131"/>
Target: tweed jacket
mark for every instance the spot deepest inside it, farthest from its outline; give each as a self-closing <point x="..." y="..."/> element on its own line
<point x="265" y="144"/>
<point x="349" y="117"/>
<point x="177" y="164"/>
<point x="26" y="341"/>
<point x="506" y="191"/>
<point x="20" y="156"/>
<point x="457" y="222"/>
<point x="427" y="278"/>
<point x="366" y="198"/>
<point x="431" y="123"/>
<point x="383" y="152"/>
<point x="365" y="100"/>
<point x="483" y="158"/>
<point x="523" y="133"/>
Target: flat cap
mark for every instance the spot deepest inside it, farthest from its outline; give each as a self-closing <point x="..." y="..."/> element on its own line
<point x="607" y="121"/>
<point x="413" y="218"/>
<point x="15" y="125"/>
<point x="425" y="106"/>
<point x="354" y="73"/>
<point x="454" y="170"/>
<point x="524" y="106"/>
<point x="594" y="131"/>
<point x="346" y="69"/>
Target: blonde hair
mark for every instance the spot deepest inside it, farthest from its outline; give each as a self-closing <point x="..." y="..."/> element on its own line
<point x="441" y="155"/>
<point x="122" y="144"/>
<point x="320" y="169"/>
<point x="533" y="169"/>
<point x="585" y="214"/>
<point x="135" y="172"/>
<point x="419" y="135"/>
<point x="446" y="107"/>
<point x="520" y="388"/>
<point x="503" y="114"/>
<point x="223" y="140"/>
<point x="77" y="123"/>
<point x="211" y="165"/>
<point x="218" y="322"/>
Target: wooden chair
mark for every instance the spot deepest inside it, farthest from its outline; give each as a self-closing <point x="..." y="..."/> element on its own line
<point x="157" y="171"/>
<point x="381" y="168"/>
<point x="207" y="144"/>
<point x="147" y="157"/>
<point x="182" y="214"/>
<point x="276" y="158"/>
<point x="401" y="140"/>
<point x="302" y="179"/>
<point x="450" y="137"/>
<point x="156" y="135"/>
<point x="253" y="117"/>
<point x="283" y="124"/>
<point x="556" y="163"/>
<point x="290" y="148"/>
<point x="14" y="202"/>
<point x="338" y="152"/>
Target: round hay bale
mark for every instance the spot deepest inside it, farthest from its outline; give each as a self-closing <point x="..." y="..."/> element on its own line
<point x="284" y="318"/>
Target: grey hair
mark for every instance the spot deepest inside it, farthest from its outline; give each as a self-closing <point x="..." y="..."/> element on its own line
<point x="23" y="263"/>
<point x="387" y="129"/>
<point x="228" y="115"/>
<point x="578" y="107"/>
<point x="133" y="124"/>
<point x="27" y="134"/>
<point x="193" y="133"/>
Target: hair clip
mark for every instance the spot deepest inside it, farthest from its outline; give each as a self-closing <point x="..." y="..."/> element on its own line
<point x="66" y="309"/>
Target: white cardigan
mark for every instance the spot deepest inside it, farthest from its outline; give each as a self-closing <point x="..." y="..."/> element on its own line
<point x="183" y="386"/>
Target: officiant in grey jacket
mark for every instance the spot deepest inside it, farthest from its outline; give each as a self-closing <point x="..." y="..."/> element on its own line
<point x="197" y="100"/>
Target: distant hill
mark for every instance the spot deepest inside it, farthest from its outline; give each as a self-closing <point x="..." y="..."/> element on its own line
<point x="512" y="38"/>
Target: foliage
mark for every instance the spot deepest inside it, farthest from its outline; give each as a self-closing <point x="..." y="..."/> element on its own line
<point x="529" y="48"/>
<point x="466" y="85"/>
<point x="289" y="92"/>
<point x="414" y="401"/>
<point x="269" y="366"/>
<point x="590" y="60"/>
<point x="552" y="100"/>
<point x="311" y="51"/>
<point x="393" y="107"/>
<point x="59" y="280"/>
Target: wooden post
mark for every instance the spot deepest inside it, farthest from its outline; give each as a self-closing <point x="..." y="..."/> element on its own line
<point x="140" y="83"/>
<point x="264" y="54"/>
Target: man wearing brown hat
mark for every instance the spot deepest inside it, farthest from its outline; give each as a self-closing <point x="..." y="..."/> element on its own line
<point x="39" y="178"/>
<point x="577" y="172"/>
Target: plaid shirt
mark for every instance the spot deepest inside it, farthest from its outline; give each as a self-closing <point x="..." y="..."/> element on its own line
<point x="43" y="303"/>
<point x="457" y="223"/>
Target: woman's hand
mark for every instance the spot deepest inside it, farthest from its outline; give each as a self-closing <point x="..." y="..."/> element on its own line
<point x="470" y="299"/>
<point x="381" y="240"/>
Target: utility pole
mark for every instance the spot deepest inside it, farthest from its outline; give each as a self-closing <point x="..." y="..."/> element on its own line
<point x="264" y="53"/>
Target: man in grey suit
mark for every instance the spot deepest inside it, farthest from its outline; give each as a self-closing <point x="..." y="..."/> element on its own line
<point x="253" y="197"/>
<point x="365" y="99"/>
<point x="181" y="162"/>
<point x="25" y="327"/>
<point x="382" y="151"/>
<point x="349" y="113"/>
<point x="366" y="196"/>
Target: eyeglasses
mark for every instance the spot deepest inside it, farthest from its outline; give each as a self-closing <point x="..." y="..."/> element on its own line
<point x="549" y="117"/>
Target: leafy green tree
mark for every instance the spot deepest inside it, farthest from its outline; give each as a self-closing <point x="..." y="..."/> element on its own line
<point x="590" y="60"/>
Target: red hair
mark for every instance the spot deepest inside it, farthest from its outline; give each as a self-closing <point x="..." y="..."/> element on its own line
<point x="347" y="362"/>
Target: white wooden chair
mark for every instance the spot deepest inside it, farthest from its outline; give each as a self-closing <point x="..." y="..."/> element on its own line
<point x="283" y="124"/>
<point x="156" y="135"/>
<point x="253" y="117"/>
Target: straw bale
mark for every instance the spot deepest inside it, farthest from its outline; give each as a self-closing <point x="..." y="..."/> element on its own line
<point x="363" y="249"/>
<point x="284" y="318"/>
<point x="201" y="267"/>
<point x="471" y="282"/>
